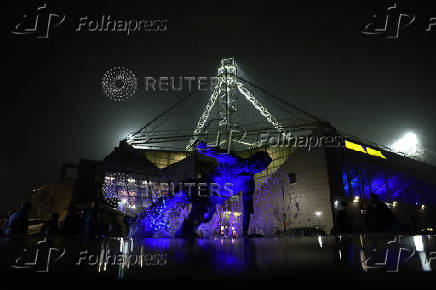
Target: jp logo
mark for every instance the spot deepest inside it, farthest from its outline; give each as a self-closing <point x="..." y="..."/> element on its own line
<point x="119" y="84"/>
<point x="40" y="258"/>
<point x="234" y="136"/>
<point x="388" y="20"/>
<point x="395" y="254"/>
<point x="40" y="24"/>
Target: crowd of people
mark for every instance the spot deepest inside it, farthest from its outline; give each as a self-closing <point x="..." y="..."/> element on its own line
<point x="379" y="218"/>
<point x="89" y="222"/>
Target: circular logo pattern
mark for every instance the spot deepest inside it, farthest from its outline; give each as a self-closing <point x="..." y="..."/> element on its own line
<point x="119" y="84"/>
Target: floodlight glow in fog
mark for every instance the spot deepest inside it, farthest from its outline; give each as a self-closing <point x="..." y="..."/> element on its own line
<point x="408" y="144"/>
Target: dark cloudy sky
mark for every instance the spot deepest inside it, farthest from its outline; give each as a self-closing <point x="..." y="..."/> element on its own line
<point x="312" y="54"/>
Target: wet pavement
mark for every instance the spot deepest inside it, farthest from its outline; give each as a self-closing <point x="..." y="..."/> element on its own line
<point x="123" y="259"/>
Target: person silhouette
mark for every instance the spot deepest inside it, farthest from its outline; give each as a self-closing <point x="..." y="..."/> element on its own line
<point x="343" y="220"/>
<point x="379" y="217"/>
<point x="52" y="226"/>
<point x="18" y="222"/>
<point x="72" y="223"/>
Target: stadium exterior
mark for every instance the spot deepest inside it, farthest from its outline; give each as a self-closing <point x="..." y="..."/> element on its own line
<point x="300" y="189"/>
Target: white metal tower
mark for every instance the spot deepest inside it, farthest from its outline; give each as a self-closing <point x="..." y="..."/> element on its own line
<point x="226" y="93"/>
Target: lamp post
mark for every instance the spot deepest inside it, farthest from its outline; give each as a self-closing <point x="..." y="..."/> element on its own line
<point x="318" y="214"/>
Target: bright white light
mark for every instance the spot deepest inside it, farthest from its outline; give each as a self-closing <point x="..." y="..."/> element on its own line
<point x="318" y="213"/>
<point x="408" y="144"/>
<point x="320" y="241"/>
<point x="129" y="138"/>
<point x="419" y="245"/>
<point x="356" y="199"/>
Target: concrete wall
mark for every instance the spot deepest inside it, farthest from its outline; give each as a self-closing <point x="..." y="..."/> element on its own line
<point x="52" y="198"/>
<point x="280" y="205"/>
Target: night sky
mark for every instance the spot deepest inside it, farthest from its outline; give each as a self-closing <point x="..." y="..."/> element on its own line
<point x="313" y="55"/>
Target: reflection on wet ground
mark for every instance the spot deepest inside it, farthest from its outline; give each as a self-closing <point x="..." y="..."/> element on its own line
<point x="136" y="258"/>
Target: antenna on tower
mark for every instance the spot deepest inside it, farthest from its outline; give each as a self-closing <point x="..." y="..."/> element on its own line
<point x="226" y="92"/>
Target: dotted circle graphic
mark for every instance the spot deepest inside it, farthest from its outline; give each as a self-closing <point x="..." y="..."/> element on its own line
<point x="119" y="84"/>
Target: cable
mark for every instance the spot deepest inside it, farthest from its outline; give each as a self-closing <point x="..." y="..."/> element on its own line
<point x="165" y="112"/>
<point x="281" y="100"/>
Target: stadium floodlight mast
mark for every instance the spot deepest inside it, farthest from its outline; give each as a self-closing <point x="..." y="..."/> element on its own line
<point x="226" y="92"/>
<point x="408" y="145"/>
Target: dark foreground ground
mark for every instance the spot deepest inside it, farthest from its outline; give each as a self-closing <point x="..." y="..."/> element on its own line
<point x="355" y="261"/>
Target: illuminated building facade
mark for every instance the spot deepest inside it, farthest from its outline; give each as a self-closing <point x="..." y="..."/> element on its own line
<point x="406" y="185"/>
<point x="299" y="189"/>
